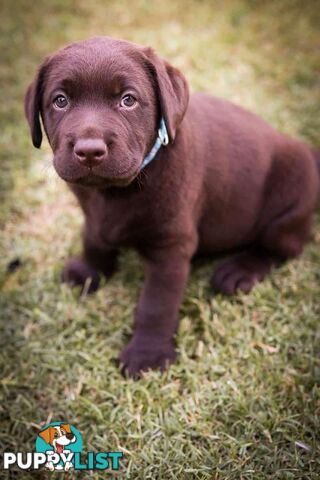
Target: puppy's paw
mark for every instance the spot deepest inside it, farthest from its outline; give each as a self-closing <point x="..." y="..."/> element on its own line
<point x="68" y="466"/>
<point x="146" y="352"/>
<point x="240" y="273"/>
<point x="77" y="272"/>
<point x="50" y="466"/>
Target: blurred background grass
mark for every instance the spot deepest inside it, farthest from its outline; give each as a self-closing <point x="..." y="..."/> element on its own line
<point x="243" y="400"/>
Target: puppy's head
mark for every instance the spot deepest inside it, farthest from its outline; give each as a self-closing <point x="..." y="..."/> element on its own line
<point x="58" y="436"/>
<point x="101" y="101"/>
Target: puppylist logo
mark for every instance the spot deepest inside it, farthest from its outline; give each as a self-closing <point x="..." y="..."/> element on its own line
<point x="59" y="447"/>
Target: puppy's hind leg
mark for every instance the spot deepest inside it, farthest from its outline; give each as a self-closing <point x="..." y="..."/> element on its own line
<point x="241" y="272"/>
<point x="85" y="271"/>
<point x="290" y="199"/>
<point x="283" y="239"/>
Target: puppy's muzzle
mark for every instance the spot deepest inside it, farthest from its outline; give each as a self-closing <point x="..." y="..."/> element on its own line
<point x="90" y="152"/>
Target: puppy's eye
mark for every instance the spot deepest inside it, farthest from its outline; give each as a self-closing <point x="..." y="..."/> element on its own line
<point x="128" y="101"/>
<point x="60" y="101"/>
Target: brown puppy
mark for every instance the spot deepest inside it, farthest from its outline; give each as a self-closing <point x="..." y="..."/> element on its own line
<point x="226" y="180"/>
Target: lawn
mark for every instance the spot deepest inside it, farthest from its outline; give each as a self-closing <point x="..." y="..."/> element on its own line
<point x="243" y="400"/>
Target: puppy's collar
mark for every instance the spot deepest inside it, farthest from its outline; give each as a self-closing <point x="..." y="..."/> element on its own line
<point x="162" y="139"/>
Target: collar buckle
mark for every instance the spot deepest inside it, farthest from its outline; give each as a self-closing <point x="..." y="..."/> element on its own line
<point x="162" y="139"/>
<point x="163" y="133"/>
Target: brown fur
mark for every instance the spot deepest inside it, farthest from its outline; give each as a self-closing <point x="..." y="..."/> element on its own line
<point x="227" y="181"/>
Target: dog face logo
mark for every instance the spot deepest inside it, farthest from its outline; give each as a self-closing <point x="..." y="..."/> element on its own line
<point x="59" y="440"/>
<point x="58" y="436"/>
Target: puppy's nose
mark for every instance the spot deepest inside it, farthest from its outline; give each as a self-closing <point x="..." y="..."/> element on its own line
<point x="90" y="151"/>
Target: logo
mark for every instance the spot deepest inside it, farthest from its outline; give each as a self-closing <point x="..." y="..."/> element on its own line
<point x="59" y="446"/>
<point x="58" y="441"/>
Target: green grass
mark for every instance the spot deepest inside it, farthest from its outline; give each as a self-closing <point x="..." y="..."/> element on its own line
<point x="243" y="400"/>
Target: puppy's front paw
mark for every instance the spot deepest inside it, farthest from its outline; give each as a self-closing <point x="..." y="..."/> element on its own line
<point x="68" y="466"/>
<point x="77" y="272"/>
<point x="50" y="466"/>
<point x="147" y="352"/>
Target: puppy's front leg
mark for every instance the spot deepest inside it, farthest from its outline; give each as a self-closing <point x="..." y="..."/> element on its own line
<point x="156" y="318"/>
<point x="95" y="259"/>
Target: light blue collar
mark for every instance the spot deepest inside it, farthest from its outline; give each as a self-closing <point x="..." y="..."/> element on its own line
<point x="162" y="139"/>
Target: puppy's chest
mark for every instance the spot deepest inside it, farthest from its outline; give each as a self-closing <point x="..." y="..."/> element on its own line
<point x="117" y="222"/>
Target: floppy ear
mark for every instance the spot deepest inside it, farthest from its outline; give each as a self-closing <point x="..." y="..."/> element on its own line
<point x="172" y="89"/>
<point x="47" y="435"/>
<point x="67" y="427"/>
<point x="32" y="105"/>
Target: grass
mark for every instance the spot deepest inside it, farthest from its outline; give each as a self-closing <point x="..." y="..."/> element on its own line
<point x="243" y="400"/>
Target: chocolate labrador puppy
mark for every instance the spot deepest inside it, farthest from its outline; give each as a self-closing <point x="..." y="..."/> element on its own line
<point x="169" y="176"/>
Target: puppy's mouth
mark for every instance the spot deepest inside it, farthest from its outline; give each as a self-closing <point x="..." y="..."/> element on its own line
<point x="97" y="181"/>
<point x="97" y="177"/>
<point x="59" y="447"/>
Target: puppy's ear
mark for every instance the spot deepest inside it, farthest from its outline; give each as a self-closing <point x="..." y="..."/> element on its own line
<point x="172" y="90"/>
<point x="32" y="105"/>
<point x="66" y="426"/>
<point x="47" y="435"/>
